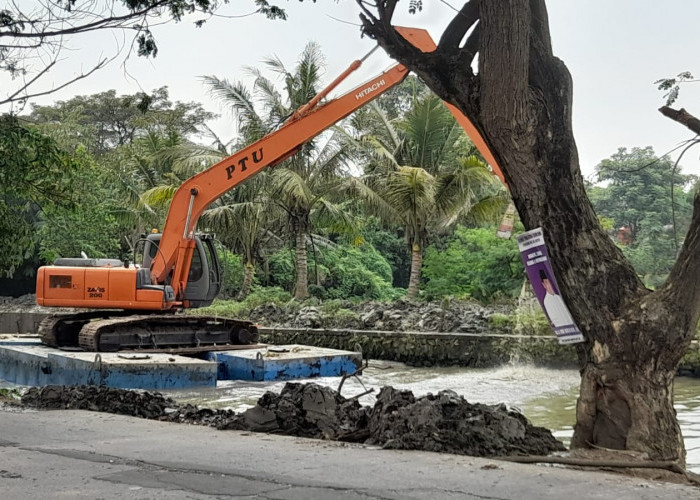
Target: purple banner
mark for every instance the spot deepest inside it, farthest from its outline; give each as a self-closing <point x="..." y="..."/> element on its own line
<point x="539" y="271"/>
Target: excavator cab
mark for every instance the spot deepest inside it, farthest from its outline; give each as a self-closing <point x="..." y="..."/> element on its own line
<point x="204" y="278"/>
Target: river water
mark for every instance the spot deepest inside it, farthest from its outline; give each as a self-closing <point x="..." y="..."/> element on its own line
<point x="546" y="396"/>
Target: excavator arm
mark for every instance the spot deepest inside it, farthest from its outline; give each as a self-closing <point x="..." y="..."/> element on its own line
<point x="198" y="192"/>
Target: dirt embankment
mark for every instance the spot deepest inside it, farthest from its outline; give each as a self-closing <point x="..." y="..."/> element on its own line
<point x="444" y="422"/>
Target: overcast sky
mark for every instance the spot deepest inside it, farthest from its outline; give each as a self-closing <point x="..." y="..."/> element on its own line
<point x="615" y="50"/>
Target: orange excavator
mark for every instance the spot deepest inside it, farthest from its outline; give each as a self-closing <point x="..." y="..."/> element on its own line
<point x="131" y="305"/>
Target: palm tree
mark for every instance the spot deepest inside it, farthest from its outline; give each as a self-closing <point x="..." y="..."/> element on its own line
<point x="239" y="218"/>
<point x="423" y="173"/>
<point x="301" y="186"/>
<point x="137" y="170"/>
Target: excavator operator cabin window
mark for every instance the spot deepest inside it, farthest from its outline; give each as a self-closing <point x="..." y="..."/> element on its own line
<point x="59" y="281"/>
<point x="196" y="266"/>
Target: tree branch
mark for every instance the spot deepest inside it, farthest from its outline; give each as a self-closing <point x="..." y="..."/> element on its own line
<point x="93" y="26"/>
<point x="28" y="84"/>
<point x="459" y="26"/>
<point x="540" y="28"/>
<point x="436" y="68"/>
<point x="381" y="30"/>
<point x="682" y="117"/>
<point x="471" y="47"/>
<point x="683" y="283"/>
<point x="13" y="97"/>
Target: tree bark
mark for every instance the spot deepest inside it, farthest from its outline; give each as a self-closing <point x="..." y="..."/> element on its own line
<point x="682" y="117"/>
<point x="416" y="267"/>
<point x="301" y="288"/>
<point x="248" y="275"/>
<point x="520" y="101"/>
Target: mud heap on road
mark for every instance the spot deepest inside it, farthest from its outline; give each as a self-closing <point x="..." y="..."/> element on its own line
<point x="444" y="422"/>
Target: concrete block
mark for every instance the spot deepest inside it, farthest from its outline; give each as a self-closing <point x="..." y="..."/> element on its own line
<point x="27" y="362"/>
<point x="285" y="362"/>
<point x="133" y="371"/>
<point x="20" y="321"/>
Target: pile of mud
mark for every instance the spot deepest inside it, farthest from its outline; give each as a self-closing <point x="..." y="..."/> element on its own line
<point x="444" y="422"/>
<point x="150" y="405"/>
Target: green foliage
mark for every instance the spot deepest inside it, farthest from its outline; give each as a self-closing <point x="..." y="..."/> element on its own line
<point x="500" y="320"/>
<point x="672" y="86"/>
<point x="281" y="269"/>
<point x="652" y="258"/>
<point x="242" y="309"/>
<point x="475" y="263"/>
<point x="89" y="225"/>
<point x="349" y="271"/>
<point x="607" y="223"/>
<point x="333" y="306"/>
<point x="392" y="247"/>
<point x="423" y="174"/>
<point x="533" y="323"/>
<point x="102" y="122"/>
<point x="301" y="188"/>
<point x="344" y="271"/>
<point x="7" y="394"/>
<point x="232" y="267"/>
<point x="35" y="174"/>
<point x="646" y="199"/>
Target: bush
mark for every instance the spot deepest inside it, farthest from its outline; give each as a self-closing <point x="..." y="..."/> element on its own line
<point x="353" y="272"/>
<point x="232" y="268"/>
<point x="257" y="297"/>
<point x="344" y="272"/>
<point x="392" y="248"/>
<point x="281" y="270"/>
<point x="476" y="263"/>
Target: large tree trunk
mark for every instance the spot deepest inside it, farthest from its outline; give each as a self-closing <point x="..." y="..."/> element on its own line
<point x="520" y="101"/>
<point x="416" y="267"/>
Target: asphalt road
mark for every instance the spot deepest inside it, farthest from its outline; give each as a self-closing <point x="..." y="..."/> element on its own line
<point x="80" y="454"/>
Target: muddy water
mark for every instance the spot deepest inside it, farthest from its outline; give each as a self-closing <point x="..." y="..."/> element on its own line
<point x="556" y="412"/>
<point x="547" y="397"/>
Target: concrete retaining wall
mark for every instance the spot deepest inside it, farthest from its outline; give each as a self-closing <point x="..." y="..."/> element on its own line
<point x="427" y="349"/>
<point x="20" y="322"/>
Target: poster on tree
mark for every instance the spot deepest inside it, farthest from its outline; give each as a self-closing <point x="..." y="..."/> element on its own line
<point x="539" y="271"/>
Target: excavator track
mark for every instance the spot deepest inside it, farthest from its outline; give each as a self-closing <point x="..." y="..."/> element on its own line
<point x="62" y="330"/>
<point x="170" y="333"/>
<point x="164" y="332"/>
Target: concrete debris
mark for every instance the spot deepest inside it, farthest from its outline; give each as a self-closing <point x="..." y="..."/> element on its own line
<point x="445" y="422"/>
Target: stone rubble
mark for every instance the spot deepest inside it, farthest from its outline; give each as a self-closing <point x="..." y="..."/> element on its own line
<point x="402" y="315"/>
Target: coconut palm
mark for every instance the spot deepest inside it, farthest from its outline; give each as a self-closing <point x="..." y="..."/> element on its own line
<point x="422" y="172"/>
<point x="239" y="218"/>
<point x="137" y="169"/>
<point x="298" y="187"/>
<point x="301" y="186"/>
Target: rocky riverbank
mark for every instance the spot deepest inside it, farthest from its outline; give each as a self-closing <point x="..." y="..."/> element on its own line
<point x="444" y="422"/>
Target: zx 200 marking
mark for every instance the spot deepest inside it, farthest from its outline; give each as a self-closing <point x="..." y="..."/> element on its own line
<point x="95" y="292"/>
